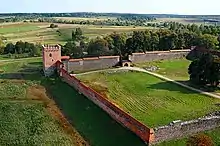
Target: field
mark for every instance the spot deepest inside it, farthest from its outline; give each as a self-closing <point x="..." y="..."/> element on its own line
<point x="28" y="116"/>
<point x="40" y="32"/>
<point x="152" y="101"/>
<point x="182" y="20"/>
<point x="176" y="69"/>
<point x="85" y="19"/>
<point x="29" y="119"/>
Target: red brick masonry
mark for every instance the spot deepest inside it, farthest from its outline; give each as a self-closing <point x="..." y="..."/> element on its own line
<point x="145" y="133"/>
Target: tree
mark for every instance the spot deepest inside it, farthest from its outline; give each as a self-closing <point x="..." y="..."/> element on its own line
<point x="2" y="46"/>
<point x="98" y="47"/>
<point x="118" y="43"/>
<point x="72" y="50"/>
<point x="53" y="26"/>
<point x="139" y="41"/>
<point x="35" y="50"/>
<point x="200" y="140"/>
<point x="10" y="48"/>
<point x="208" y="41"/>
<point x="77" y="34"/>
<point x="204" y="70"/>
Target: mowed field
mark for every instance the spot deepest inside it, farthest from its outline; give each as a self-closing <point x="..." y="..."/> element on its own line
<point x="176" y="69"/>
<point x="152" y="101"/>
<point x="41" y="33"/>
<point x="27" y="115"/>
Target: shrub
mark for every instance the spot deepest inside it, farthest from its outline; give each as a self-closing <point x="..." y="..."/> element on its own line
<point x="200" y="140"/>
<point x="53" y="26"/>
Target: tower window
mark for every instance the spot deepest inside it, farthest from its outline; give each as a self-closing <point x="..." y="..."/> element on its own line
<point x="50" y="55"/>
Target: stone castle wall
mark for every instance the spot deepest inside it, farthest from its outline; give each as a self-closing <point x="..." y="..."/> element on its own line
<point x="157" y="55"/>
<point x="183" y="129"/>
<point x="103" y="62"/>
<point x="94" y="63"/>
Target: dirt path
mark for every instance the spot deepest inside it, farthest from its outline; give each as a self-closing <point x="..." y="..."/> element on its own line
<point x="158" y="76"/>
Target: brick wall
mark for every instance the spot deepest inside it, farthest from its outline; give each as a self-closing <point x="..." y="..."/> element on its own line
<point x="182" y="129"/>
<point x="145" y="133"/>
<point x="157" y="55"/>
<point x="94" y="63"/>
<point x="156" y="135"/>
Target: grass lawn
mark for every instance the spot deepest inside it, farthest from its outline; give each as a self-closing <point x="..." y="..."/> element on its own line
<point x="176" y="69"/>
<point x="21" y="84"/>
<point x="152" y="101"/>
<point x="27" y="115"/>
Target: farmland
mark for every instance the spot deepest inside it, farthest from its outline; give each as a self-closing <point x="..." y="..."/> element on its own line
<point x="41" y="33"/>
<point x="197" y="21"/>
<point x="142" y="96"/>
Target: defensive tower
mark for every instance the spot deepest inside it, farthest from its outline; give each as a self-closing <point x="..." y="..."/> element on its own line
<point x="51" y="54"/>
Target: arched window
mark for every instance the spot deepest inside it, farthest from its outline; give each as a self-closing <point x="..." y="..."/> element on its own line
<point x="50" y="55"/>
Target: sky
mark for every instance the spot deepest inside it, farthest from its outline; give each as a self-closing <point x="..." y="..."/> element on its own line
<point x="185" y="7"/>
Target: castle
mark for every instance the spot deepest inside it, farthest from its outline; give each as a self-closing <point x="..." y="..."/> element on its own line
<point x="52" y="54"/>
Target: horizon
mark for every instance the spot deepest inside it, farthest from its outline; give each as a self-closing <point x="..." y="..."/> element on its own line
<point x="175" y="7"/>
<point x="110" y="13"/>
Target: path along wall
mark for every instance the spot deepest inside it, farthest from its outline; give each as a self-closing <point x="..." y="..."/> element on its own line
<point x="116" y="113"/>
<point x="157" y="55"/>
<point x="183" y="129"/>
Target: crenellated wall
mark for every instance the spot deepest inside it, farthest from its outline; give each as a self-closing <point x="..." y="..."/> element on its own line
<point x="183" y="129"/>
<point x="94" y="63"/>
<point x="157" y="55"/>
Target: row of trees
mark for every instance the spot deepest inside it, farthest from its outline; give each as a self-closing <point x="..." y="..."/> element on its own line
<point x="139" y="41"/>
<point x="20" y="47"/>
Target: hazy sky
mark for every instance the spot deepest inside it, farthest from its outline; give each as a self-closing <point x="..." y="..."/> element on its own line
<point x="125" y="6"/>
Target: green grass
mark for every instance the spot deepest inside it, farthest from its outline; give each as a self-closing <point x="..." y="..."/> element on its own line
<point x="150" y="100"/>
<point x="39" y="32"/>
<point x="214" y="134"/>
<point x="176" y="69"/>
<point x="4" y="29"/>
<point x="26" y="121"/>
<point x="90" y="121"/>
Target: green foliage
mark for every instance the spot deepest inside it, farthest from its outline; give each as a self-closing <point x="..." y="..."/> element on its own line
<point x="24" y="123"/>
<point x="98" y="47"/>
<point x="208" y="41"/>
<point x="22" y="48"/>
<point x="72" y="50"/>
<point x="77" y="35"/>
<point x="205" y="71"/>
<point x="53" y="25"/>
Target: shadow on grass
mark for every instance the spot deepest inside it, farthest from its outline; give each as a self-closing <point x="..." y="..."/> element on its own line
<point x="97" y="127"/>
<point x="170" y="86"/>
